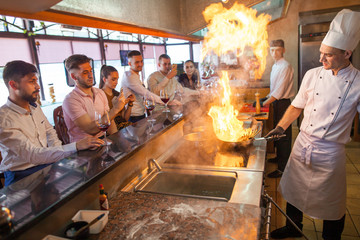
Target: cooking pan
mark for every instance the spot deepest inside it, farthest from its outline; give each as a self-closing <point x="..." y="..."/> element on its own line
<point x="245" y="141"/>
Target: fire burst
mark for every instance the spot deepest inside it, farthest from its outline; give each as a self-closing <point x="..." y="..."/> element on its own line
<point x="234" y="29"/>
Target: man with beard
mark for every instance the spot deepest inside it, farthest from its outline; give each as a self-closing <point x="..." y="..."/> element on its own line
<point x="132" y="84"/>
<point x="314" y="180"/>
<point x="80" y="105"/>
<point x="28" y="142"/>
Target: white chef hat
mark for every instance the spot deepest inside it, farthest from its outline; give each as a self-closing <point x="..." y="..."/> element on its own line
<point x="344" y="32"/>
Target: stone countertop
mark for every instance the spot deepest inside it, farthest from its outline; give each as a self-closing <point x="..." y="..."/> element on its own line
<point x="152" y="216"/>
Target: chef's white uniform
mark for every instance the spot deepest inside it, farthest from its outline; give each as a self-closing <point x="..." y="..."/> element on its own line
<point x="314" y="180"/>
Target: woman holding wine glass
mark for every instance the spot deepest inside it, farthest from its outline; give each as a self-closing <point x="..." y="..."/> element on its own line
<point x="109" y="77"/>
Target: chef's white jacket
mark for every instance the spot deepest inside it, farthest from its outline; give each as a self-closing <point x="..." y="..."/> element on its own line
<point x="329" y="102"/>
<point x="314" y="180"/>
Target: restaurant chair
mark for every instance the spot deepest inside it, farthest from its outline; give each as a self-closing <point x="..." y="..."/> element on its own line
<point x="60" y="125"/>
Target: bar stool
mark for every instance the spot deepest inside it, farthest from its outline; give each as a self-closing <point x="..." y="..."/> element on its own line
<point x="60" y="125"/>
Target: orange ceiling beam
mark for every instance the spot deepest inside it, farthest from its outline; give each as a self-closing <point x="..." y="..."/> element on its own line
<point x="86" y="21"/>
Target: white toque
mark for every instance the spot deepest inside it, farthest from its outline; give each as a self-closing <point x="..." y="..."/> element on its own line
<point x="344" y="32"/>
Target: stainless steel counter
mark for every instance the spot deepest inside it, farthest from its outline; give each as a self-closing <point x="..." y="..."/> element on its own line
<point x="58" y="191"/>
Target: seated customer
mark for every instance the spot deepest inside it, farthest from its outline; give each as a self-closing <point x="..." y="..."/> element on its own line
<point x="81" y="104"/>
<point x="109" y="77"/>
<point x="189" y="79"/>
<point x="164" y="79"/>
<point x="28" y="142"/>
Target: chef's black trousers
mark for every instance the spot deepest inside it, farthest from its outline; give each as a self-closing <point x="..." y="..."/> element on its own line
<point x="283" y="145"/>
<point x="332" y="229"/>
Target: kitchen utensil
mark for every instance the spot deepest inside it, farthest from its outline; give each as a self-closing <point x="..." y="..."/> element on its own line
<point x="88" y="225"/>
<point x="88" y="216"/>
<point x="72" y="229"/>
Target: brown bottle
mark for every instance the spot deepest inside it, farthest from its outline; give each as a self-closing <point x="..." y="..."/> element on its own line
<point x="104" y="203"/>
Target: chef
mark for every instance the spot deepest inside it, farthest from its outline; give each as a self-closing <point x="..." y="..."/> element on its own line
<point x="314" y="180"/>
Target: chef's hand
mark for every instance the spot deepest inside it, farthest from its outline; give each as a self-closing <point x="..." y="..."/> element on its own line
<point x="276" y="133"/>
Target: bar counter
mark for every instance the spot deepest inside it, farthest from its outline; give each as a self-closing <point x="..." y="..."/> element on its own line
<point x="44" y="202"/>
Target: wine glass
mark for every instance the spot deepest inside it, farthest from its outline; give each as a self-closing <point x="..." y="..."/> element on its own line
<point x="198" y="85"/>
<point x="103" y="122"/>
<point x="165" y="98"/>
<point x="149" y="105"/>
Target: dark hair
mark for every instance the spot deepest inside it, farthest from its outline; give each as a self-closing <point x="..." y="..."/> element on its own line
<point x="163" y="56"/>
<point x="133" y="53"/>
<point x="15" y="70"/>
<point x="191" y="61"/>
<point x="277" y="43"/>
<point x="105" y="71"/>
<point x="75" y="60"/>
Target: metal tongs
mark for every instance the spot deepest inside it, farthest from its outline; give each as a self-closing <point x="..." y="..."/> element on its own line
<point x="275" y="138"/>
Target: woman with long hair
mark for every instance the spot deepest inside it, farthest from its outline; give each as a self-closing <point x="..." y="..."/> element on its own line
<point x="190" y="78"/>
<point x="109" y="77"/>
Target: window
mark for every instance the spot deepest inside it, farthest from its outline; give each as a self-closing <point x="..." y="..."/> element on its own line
<point x="4" y="93"/>
<point x="178" y="53"/>
<point x="114" y="35"/>
<point x="2" y="24"/>
<point x="175" y="41"/>
<point x="15" y="24"/>
<point x="54" y="73"/>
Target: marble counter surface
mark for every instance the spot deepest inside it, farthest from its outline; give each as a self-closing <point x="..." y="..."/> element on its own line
<point x="152" y="216"/>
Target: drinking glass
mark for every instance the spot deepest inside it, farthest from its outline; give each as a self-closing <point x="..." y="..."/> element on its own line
<point x="198" y="85"/>
<point x="103" y="122"/>
<point x="165" y="98"/>
<point x="149" y="105"/>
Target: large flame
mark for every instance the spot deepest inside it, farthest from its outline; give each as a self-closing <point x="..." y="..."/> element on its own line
<point x="226" y="126"/>
<point x="236" y="29"/>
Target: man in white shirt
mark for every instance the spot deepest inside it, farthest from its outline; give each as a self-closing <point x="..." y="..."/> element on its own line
<point x="314" y="180"/>
<point x="281" y="90"/>
<point x="28" y="142"/>
<point x="131" y="84"/>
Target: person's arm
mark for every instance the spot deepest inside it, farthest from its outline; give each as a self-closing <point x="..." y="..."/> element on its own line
<point x="133" y="84"/>
<point x="269" y="101"/>
<point x="156" y="86"/>
<point x="130" y="101"/>
<point x="86" y="124"/>
<point x="291" y="114"/>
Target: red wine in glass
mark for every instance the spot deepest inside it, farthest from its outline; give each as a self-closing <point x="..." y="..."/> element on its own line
<point x="150" y="108"/>
<point x="165" y="100"/>
<point x="103" y="127"/>
<point x="103" y="123"/>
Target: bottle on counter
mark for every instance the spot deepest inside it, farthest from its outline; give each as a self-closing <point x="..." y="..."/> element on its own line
<point x="258" y="106"/>
<point x="104" y="203"/>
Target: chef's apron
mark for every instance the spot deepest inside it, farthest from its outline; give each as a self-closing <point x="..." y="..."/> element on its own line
<point x="314" y="179"/>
